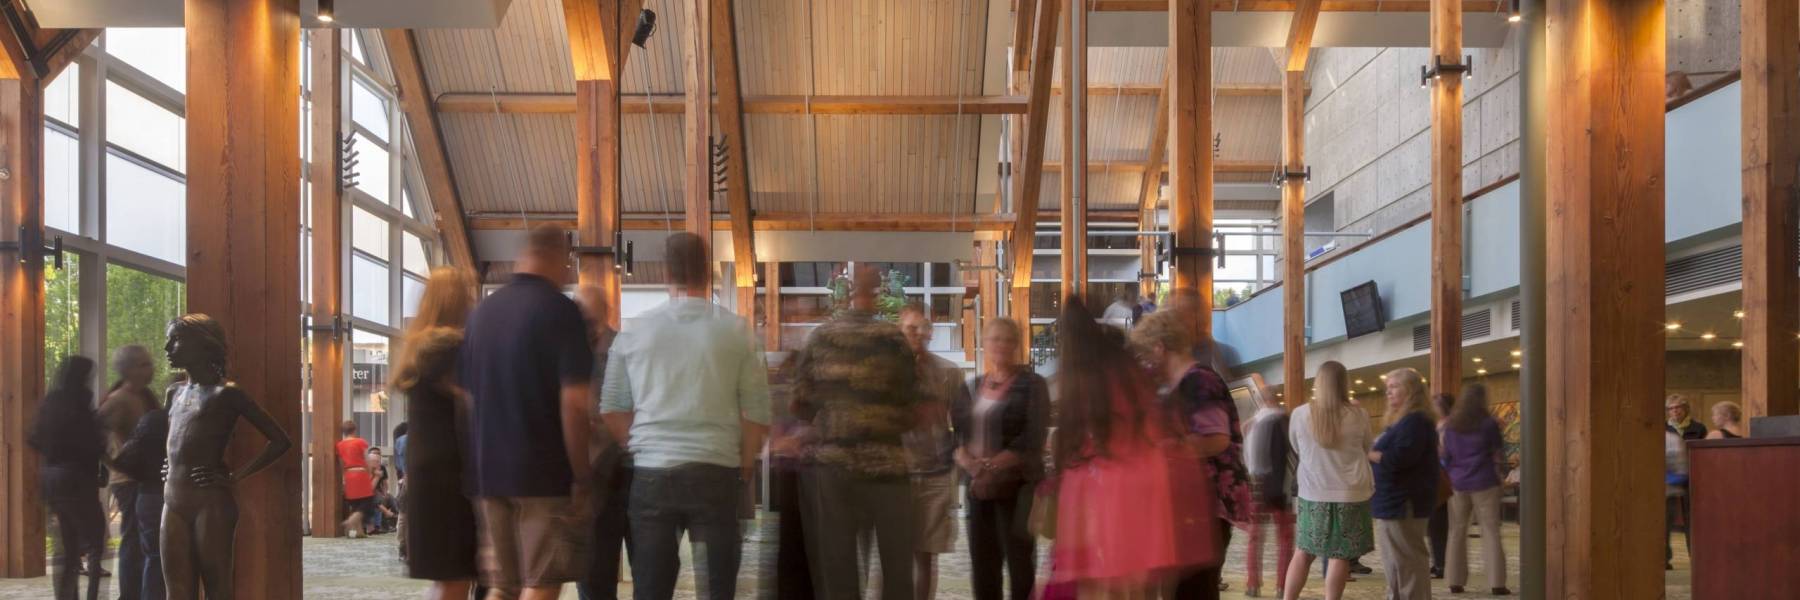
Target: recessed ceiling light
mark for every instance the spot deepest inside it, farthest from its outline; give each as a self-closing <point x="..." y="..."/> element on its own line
<point x="1371" y="388"/>
<point x="1709" y="336"/>
<point x="1739" y="313"/>
<point x="1672" y="326"/>
<point x="1518" y="353"/>
<point x="1477" y="359"/>
<point x="1481" y="371"/>
<point x="1738" y="344"/>
<point x="1515" y="365"/>
<point x="1359" y="382"/>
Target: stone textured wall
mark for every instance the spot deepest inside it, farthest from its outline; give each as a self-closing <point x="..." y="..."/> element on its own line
<point x="1368" y="122"/>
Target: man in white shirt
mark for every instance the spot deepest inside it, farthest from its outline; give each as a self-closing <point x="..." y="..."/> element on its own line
<point x="687" y="393"/>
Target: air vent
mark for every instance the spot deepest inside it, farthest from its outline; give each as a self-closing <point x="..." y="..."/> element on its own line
<point x="1704" y="270"/>
<point x="1518" y="315"/>
<point x="1477" y="325"/>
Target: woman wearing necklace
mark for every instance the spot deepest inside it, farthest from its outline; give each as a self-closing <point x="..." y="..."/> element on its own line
<point x="1000" y="428"/>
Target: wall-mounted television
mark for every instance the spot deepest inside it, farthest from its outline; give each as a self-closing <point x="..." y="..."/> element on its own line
<point x="1362" y="310"/>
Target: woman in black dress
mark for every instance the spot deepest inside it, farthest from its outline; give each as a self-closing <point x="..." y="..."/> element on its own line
<point x="67" y="437"/>
<point x="440" y="533"/>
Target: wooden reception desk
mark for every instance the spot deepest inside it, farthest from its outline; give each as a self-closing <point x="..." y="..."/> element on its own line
<point x="1745" y="498"/>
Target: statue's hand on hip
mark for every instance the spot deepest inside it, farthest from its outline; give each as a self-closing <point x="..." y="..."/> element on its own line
<point x="210" y="477"/>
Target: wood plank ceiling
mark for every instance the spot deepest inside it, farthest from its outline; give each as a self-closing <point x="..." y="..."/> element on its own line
<point x="512" y="163"/>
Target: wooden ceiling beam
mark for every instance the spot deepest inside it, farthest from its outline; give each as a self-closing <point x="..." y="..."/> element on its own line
<point x="783" y="221"/>
<point x="1219" y="166"/>
<point x="1149" y="186"/>
<point x="597" y="47"/>
<point x="1300" y="35"/>
<point x="1252" y="90"/>
<point x="529" y="103"/>
<point x="428" y="145"/>
<point x="1227" y="6"/>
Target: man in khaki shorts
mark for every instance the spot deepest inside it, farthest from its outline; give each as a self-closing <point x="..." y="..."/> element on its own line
<point x="931" y="448"/>
<point x="526" y="363"/>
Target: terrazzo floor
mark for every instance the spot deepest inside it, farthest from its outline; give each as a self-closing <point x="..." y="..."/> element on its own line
<point x="370" y="569"/>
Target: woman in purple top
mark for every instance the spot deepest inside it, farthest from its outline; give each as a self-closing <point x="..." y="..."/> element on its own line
<point x="1472" y="454"/>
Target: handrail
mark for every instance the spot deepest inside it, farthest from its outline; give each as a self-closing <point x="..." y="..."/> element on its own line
<point x="1729" y="78"/>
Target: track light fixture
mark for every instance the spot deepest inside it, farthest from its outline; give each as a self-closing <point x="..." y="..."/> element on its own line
<point x="646" y="25"/>
<point x="327" y="11"/>
<point x="1512" y="15"/>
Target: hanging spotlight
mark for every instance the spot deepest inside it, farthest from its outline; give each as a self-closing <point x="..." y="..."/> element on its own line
<point x="646" y="25"/>
<point x="327" y="11"/>
<point x="1513" y="16"/>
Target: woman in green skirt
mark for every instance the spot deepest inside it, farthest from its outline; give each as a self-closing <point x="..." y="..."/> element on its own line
<point x="1332" y="438"/>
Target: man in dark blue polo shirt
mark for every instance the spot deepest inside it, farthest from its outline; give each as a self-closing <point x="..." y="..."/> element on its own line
<point x="526" y="364"/>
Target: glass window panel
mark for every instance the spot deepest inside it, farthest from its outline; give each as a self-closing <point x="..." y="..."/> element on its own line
<point x="356" y="47"/>
<point x="62" y="314"/>
<point x="368" y="108"/>
<point x="160" y="52"/>
<point x="369" y="233"/>
<point x="369" y="289"/>
<point x="411" y="290"/>
<point x="306" y="266"/>
<point x="139" y="306"/>
<point x="414" y="258"/>
<point x="145" y="128"/>
<point x="62" y="181"/>
<point x="1237" y="267"/>
<point x="406" y="202"/>
<point x="372" y="175"/>
<point x="368" y="385"/>
<point x="61" y="98"/>
<point x="146" y="211"/>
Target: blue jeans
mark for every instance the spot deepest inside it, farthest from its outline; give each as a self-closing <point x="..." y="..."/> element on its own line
<point x="131" y="553"/>
<point x="700" y="499"/>
<point x="149" y="533"/>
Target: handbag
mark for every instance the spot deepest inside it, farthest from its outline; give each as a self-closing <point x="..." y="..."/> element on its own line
<point x="994" y="484"/>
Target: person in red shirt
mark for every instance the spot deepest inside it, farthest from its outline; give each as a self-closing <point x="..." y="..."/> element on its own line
<point x="359" y="486"/>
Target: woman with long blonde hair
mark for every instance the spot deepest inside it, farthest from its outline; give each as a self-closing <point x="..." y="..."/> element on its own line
<point x="1406" y="483"/>
<point x="440" y="533"/>
<point x="1331" y="437"/>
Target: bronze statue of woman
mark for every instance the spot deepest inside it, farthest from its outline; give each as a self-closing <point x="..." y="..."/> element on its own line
<point x="199" y="511"/>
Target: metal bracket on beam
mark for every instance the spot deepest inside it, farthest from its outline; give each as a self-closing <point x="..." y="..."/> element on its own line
<point x="52" y="250"/>
<point x="1439" y="67"/>
<point x="622" y="250"/>
<point x="336" y="328"/>
<point x="1280" y="178"/>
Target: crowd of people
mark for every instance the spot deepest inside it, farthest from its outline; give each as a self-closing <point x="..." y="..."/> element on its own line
<point x="541" y="446"/>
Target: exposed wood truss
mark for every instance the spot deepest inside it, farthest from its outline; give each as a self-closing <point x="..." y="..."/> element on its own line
<point x="1028" y="176"/>
<point x="1149" y="186"/>
<point x="783" y="221"/>
<point x="428" y="145"/>
<point x="663" y="104"/>
<point x="737" y="175"/>
<point x="1219" y="166"/>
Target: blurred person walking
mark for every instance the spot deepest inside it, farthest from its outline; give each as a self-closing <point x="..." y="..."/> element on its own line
<point x="1728" y="422"/>
<point x="141" y="457"/>
<point x="612" y="467"/>
<point x="1000" y="429"/>
<point x="1270" y="460"/>
<point x="440" y="520"/>
<point x="857" y="381"/>
<point x="1196" y="394"/>
<point x="69" y="443"/>
<point x="1438" y="528"/>
<point x="1133" y="512"/>
<point x="1331" y="436"/>
<point x="126" y="403"/>
<point x="359" y="483"/>
<point x="527" y="366"/>
<point x="1406" y="483"/>
<point x="687" y="393"/>
<point x="932" y="450"/>
<point x="1471" y="451"/>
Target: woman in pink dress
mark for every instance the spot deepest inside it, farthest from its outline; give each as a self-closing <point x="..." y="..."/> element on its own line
<point x="1134" y="508"/>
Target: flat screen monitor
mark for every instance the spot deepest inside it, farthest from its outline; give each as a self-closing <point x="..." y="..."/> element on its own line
<point x="1362" y="310"/>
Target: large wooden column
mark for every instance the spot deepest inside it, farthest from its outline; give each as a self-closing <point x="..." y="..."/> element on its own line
<point x="737" y="173"/>
<point x="1190" y="164"/>
<point x="21" y="316"/>
<point x="1604" y="296"/>
<point x="598" y="50"/>
<point x="1028" y="171"/>
<point x="697" y="72"/>
<point x="243" y="265"/>
<point x="1293" y="203"/>
<point x="1771" y="97"/>
<point x="1075" y="153"/>
<point x="1446" y="200"/>
<point x="328" y="261"/>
